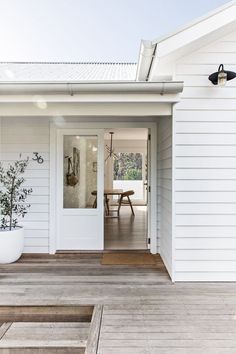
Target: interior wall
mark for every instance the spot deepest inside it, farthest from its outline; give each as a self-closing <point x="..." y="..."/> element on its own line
<point x="164" y="191"/>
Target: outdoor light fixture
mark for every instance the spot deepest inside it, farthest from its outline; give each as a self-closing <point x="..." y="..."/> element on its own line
<point x="221" y="76"/>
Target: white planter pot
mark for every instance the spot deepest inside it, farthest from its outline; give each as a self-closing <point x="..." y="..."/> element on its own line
<point x="11" y="245"/>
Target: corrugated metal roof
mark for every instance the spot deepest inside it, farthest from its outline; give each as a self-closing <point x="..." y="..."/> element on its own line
<point x="65" y="71"/>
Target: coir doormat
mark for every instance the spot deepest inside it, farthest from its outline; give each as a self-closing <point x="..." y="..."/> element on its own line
<point x="128" y="258"/>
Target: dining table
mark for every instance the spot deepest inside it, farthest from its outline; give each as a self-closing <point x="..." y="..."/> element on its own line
<point x="107" y="192"/>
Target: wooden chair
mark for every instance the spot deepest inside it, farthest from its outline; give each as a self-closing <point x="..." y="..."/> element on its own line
<point x="106" y="202"/>
<point x="127" y="201"/>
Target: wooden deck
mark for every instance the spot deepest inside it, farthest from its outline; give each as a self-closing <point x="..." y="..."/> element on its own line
<point x="142" y="311"/>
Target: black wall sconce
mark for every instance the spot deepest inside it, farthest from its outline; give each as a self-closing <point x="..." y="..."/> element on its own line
<point x="221" y="76"/>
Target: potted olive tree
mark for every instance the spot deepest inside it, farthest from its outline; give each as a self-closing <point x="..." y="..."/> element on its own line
<point x="12" y="207"/>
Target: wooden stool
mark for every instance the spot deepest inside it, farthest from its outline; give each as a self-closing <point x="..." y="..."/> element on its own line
<point x="122" y="201"/>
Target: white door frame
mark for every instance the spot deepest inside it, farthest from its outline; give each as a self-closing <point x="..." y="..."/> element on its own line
<point x="152" y="126"/>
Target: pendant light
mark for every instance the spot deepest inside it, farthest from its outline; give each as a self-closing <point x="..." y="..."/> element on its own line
<point x="110" y="149"/>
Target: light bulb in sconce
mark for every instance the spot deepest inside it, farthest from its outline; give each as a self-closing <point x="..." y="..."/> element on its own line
<point x="222" y="76"/>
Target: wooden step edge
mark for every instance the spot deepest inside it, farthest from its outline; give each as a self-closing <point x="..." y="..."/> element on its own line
<point x="94" y="331"/>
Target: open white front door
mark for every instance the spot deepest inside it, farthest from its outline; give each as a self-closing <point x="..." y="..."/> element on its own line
<point x="80" y="186"/>
<point x="148" y="186"/>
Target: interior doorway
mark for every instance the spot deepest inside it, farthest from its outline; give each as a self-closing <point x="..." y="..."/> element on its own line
<point x="126" y="182"/>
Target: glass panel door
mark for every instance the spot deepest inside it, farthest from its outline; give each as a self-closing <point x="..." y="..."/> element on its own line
<point x="80" y="171"/>
<point x="80" y="189"/>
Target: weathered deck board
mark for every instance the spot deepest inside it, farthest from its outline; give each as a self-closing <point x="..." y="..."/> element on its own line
<point x="143" y="312"/>
<point x="4" y="328"/>
<point x="46" y="313"/>
<point x="42" y="351"/>
<point x="94" y="331"/>
<point x="164" y="329"/>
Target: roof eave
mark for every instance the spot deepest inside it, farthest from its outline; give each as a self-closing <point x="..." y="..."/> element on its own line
<point x="71" y="88"/>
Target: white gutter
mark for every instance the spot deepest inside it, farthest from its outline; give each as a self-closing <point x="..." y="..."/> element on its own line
<point x="39" y="88"/>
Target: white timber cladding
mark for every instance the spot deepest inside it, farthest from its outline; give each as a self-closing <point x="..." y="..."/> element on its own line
<point x="25" y="136"/>
<point x="205" y="167"/>
<point x="164" y="190"/>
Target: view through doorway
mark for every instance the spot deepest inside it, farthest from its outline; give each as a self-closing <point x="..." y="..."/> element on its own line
<point x="126" y="183"/>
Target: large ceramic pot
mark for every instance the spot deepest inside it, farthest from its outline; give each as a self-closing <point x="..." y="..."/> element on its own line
<point x="11" y="245"/>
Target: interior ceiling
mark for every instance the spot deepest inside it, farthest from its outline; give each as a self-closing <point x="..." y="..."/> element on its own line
<point x="127" y="133"/>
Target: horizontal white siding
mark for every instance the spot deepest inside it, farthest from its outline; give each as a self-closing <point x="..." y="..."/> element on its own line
<point x="25" y="136"/>
<point x="164" y="174"/>
<point x="205" y="167"/>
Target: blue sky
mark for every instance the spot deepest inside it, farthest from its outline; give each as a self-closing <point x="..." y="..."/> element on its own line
<point x="89" y="30"/>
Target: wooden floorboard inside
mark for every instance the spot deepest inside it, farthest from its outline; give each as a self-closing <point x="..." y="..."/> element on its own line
<point x="127" y="232"/>
<point x="143" y="312"/>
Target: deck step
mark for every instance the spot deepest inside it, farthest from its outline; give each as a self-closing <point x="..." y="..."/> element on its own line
<point x="50" y="329"/>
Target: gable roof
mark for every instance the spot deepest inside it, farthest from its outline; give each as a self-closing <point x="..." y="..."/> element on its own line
<point x="191" y="37"/>
<point x="66" y="72"/>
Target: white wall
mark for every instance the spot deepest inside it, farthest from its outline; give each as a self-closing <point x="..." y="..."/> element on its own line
<point x="164" y="176"/>
<point x="28" y="135"/>
<point x="205" y="167"/>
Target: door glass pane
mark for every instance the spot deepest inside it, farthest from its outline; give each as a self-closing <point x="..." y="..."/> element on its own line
<point x="80" y="171"/>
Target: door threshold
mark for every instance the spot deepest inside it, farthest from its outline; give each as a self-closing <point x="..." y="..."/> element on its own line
<point x="127" y="251"/>
<point x="105" y="251"/>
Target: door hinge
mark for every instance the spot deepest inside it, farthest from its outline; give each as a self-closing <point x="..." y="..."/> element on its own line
<point x="149" y="241"/>
<point x="149" y="189"/>
<point x="149" y="136"/>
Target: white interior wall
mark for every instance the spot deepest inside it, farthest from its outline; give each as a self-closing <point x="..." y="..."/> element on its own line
<point x="164" y="190"/>
<point x="205" y="158"/>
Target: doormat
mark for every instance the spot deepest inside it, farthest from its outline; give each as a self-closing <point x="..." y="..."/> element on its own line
<point x="49" y="329"/>
<point x="119" y="258"/>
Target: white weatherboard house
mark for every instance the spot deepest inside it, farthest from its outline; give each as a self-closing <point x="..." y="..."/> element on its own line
<point x="52" y="108"/>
